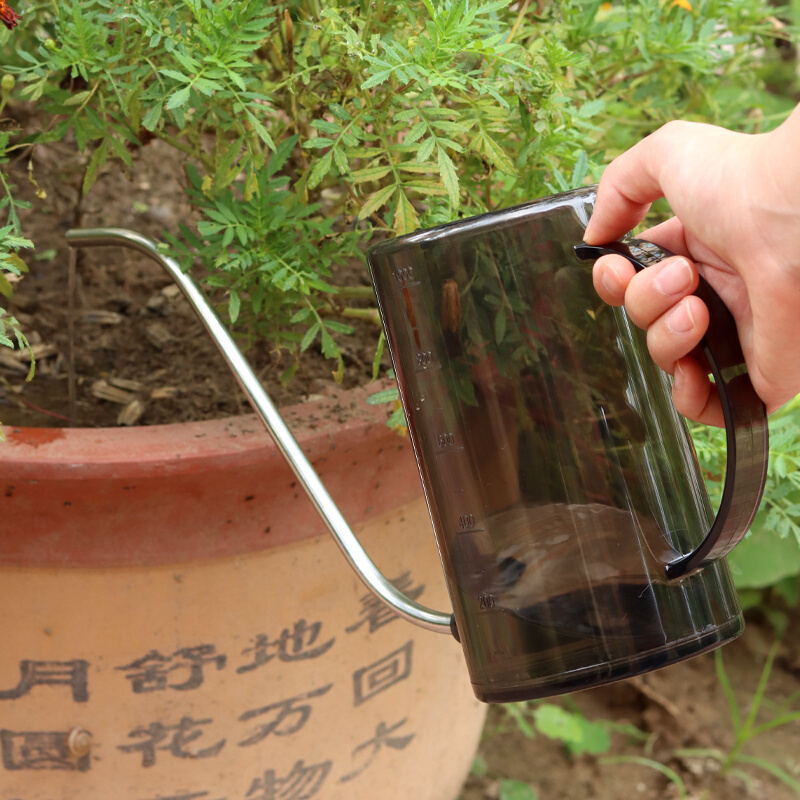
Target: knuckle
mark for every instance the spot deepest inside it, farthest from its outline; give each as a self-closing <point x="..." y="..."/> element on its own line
<point x="675" y="127"/>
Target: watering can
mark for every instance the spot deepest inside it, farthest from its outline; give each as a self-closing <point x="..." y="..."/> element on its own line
<point x="577" y="539"/>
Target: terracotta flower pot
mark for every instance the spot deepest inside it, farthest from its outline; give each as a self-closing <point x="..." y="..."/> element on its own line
<point x="178" y="623"/>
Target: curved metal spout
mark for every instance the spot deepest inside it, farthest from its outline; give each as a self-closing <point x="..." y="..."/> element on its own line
<point x="355" y="554"/>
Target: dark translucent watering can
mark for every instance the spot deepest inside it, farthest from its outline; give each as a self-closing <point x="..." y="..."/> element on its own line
<point x="575" y="532"/>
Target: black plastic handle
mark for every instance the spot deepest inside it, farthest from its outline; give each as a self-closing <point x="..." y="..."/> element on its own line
<point x="744" y="412"/>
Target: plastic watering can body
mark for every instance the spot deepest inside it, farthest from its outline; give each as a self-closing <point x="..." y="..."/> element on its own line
<point x="576" y="536"/>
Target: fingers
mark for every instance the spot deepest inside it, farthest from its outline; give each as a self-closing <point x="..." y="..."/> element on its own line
<point x="659" y="299"/>
<point x="670" y="235"/>
<point x="693" y="394"/>
<point x="657" y="289"/>
<point x="648" y="294"/>
<point x="676" y="333"/>
<point x="611" y="276"/>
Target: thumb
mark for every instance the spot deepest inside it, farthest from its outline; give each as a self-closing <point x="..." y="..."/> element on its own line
<point x="631" y="183"/>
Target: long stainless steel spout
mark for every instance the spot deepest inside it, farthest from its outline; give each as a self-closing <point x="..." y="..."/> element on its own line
<point x="269" y="415"/>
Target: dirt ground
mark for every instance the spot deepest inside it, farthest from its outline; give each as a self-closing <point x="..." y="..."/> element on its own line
<point x="135" y="334"/>
<point x="132" y="329"/>
<point x="679" y="707"/>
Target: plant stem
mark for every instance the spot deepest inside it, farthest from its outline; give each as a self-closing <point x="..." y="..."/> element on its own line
<point x="71" y="381"/>
<point x="173" y="141"/>
<point x="355" y="292"/>
<point x="366" y="314"/>
<point x="666" y="771"/>
<point x="746" y="732"/>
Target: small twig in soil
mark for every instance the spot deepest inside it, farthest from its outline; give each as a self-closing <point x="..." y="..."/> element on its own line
<point x="40" y="410"/>
<point x="71" y="382"/>
<point x="656" y="697"/>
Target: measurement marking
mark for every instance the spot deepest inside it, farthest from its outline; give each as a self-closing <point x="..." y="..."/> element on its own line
<point x="427" y="368"/>
<point x="409" y="308"/>
<point x="470" y="531"/>
<point x="447" y="450"/>
<point x="405" y="276"/>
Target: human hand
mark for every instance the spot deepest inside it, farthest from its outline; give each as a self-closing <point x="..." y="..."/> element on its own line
<point x="736" y="200"/>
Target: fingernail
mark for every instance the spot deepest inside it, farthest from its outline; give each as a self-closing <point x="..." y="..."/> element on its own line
<point x="680" y="319"/>
<point x="674" y="278"/>
<point x="612" y="282"/>
<point x="678" y="378"/>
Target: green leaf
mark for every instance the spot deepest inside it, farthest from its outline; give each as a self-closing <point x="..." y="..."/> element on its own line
<point x="178" y="99"/>
<point x="375" y="201"/>
<point x="426" y="187"/>
<point x="415" y="133"/>
<point x="326" y="127"/>
<point x="300" y="315"/>
<point x="594" y="739"/>
<point x="368" y="174"/>
<point x="341" y="160"/>
<point x="500" y="326"/>
<point x="385" y="396"/>
<point x="338" y="373"/>
<point x="317" y="143"/>
<point x="764" y="557"/>
<point x="320" y="169"/>
<point x="339" y="327"/>
<point x="557" y="723"/>
<point x="12" y="261"/>
<point x="207" y="87"/>
<point x="152" y="117"/>
<point x="516" y="790"/>
<point x="495" y="153"/>
<point x="377" y="78"/>
<point x="449" y="176"/>
<point x="261" y="131"/>
<point x="376" y="361"/>
<point x="311" y="334"/>
<point x="591" y="109"/>
<point x="340" y="112"/>
<point x="397" y="419"/>
<point x="95" y="162"/>
<point x="175" y="75"/>
<point x="329" y="347"/>
<point x="289" y="373"/>
<point x="425" y="149"/>
<point x="5" y="287"/>
<point x="580" y="170"/>
<point x="77" y="99"/>
<point x="405" y="217"/>
<point x="234" y="304"/>
<point x="577" y="733"/>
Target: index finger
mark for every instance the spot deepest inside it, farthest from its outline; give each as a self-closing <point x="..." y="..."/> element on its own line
<point x="629" y="185"/>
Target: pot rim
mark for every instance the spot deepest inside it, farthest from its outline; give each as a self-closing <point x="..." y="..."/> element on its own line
<point x="170" y="493"/>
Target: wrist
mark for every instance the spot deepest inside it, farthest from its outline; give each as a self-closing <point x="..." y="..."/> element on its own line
<point x="780" y="159"/>
<point x="773" y="179"/>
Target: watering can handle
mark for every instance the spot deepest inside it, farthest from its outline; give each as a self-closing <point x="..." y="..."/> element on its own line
<point x="269" y="415"/>
<point x="744" y="412"/>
